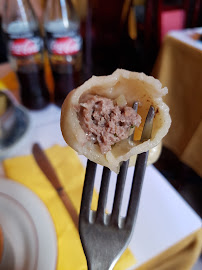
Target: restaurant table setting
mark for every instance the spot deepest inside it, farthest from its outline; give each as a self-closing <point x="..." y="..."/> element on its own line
<point x="178" y="66"/>
<point x="39" y="232"/>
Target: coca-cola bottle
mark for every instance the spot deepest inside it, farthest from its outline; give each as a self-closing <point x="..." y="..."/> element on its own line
<point x="64" y="45"/>
<point x="25" y="49"/>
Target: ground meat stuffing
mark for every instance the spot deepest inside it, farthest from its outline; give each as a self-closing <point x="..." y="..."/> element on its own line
<point x="106" y="123"/>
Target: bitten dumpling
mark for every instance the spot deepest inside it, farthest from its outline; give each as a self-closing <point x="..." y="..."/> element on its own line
<point x="97" y="118"/>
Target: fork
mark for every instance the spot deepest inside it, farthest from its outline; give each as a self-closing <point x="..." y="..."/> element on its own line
<point x="104" y="237"/>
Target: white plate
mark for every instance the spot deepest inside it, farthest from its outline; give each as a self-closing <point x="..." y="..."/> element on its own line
<point x="20" y="236"/>
<point x="31" y="209"/>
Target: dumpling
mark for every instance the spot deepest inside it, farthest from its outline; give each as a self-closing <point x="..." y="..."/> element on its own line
<point x="97" y="118"/>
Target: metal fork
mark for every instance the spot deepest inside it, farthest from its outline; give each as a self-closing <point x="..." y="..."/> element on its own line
<point x="104" y="237"/>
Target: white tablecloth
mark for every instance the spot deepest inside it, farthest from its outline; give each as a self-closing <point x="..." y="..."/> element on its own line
<point x="164" y="218"/>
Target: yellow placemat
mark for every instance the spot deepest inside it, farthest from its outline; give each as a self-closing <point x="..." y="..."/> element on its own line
<point x="71" y="173"/>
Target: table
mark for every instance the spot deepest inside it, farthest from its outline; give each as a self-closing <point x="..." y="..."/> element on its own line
<point x="178" y="67"/>
<point x="164" y="218"/>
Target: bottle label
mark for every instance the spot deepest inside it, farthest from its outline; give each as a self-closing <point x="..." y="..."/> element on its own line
<point x="65" y="46"/>
<point x="25" y="47"/>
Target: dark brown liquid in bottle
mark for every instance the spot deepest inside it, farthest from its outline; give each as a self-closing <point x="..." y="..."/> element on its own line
<point x="65" y="83"/>
<point x="34" y="92"/>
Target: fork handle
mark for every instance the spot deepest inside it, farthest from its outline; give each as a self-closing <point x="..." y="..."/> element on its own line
<point x="101" y="265"/>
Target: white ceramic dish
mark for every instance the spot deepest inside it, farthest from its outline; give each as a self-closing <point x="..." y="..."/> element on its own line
<point x="33" y="219"/>
<point x="20" y="236"/>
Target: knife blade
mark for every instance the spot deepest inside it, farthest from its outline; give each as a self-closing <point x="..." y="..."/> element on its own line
<point x="47" y="168"/>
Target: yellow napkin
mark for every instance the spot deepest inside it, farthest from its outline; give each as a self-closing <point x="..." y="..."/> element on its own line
<point x="71" y="173"/>
<point x="181" y="256"/>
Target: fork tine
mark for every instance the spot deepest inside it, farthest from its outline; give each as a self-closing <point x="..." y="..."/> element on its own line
<point x="103" y="195"/>
<point x="139" y="172"/>
<point x="130" y="140"/>
<point x="147" y="130"/>
<point x="88" y="190"/>
<point x="138" y="176"/>
<point x="119" y="192"/>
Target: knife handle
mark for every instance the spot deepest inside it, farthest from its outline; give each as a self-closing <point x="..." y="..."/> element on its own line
<point x="69" y="206"/>
<point x="47" y="168"/>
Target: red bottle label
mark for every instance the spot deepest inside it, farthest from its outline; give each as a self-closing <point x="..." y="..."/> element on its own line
<point x="24" y="47"/>
<point x="65" y="46"/>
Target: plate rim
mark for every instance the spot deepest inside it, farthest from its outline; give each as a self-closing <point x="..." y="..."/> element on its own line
<point x="22" y="208"/>
<point x="41" y="204"/>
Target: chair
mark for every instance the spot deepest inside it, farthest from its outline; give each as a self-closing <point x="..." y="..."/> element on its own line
<point x="161" y="16"/>
<point x="196" y="18"/>
<point x="176" y="15"/>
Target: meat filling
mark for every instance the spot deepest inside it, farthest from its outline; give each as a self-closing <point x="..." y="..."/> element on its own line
<point x="105" y="122"/>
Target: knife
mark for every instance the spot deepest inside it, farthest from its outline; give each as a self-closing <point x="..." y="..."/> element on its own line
<point x="47" y="168"/>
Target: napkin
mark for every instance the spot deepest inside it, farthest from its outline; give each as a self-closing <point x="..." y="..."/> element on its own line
<point x="181" y="256"/>
<point x="24" y="170"/>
